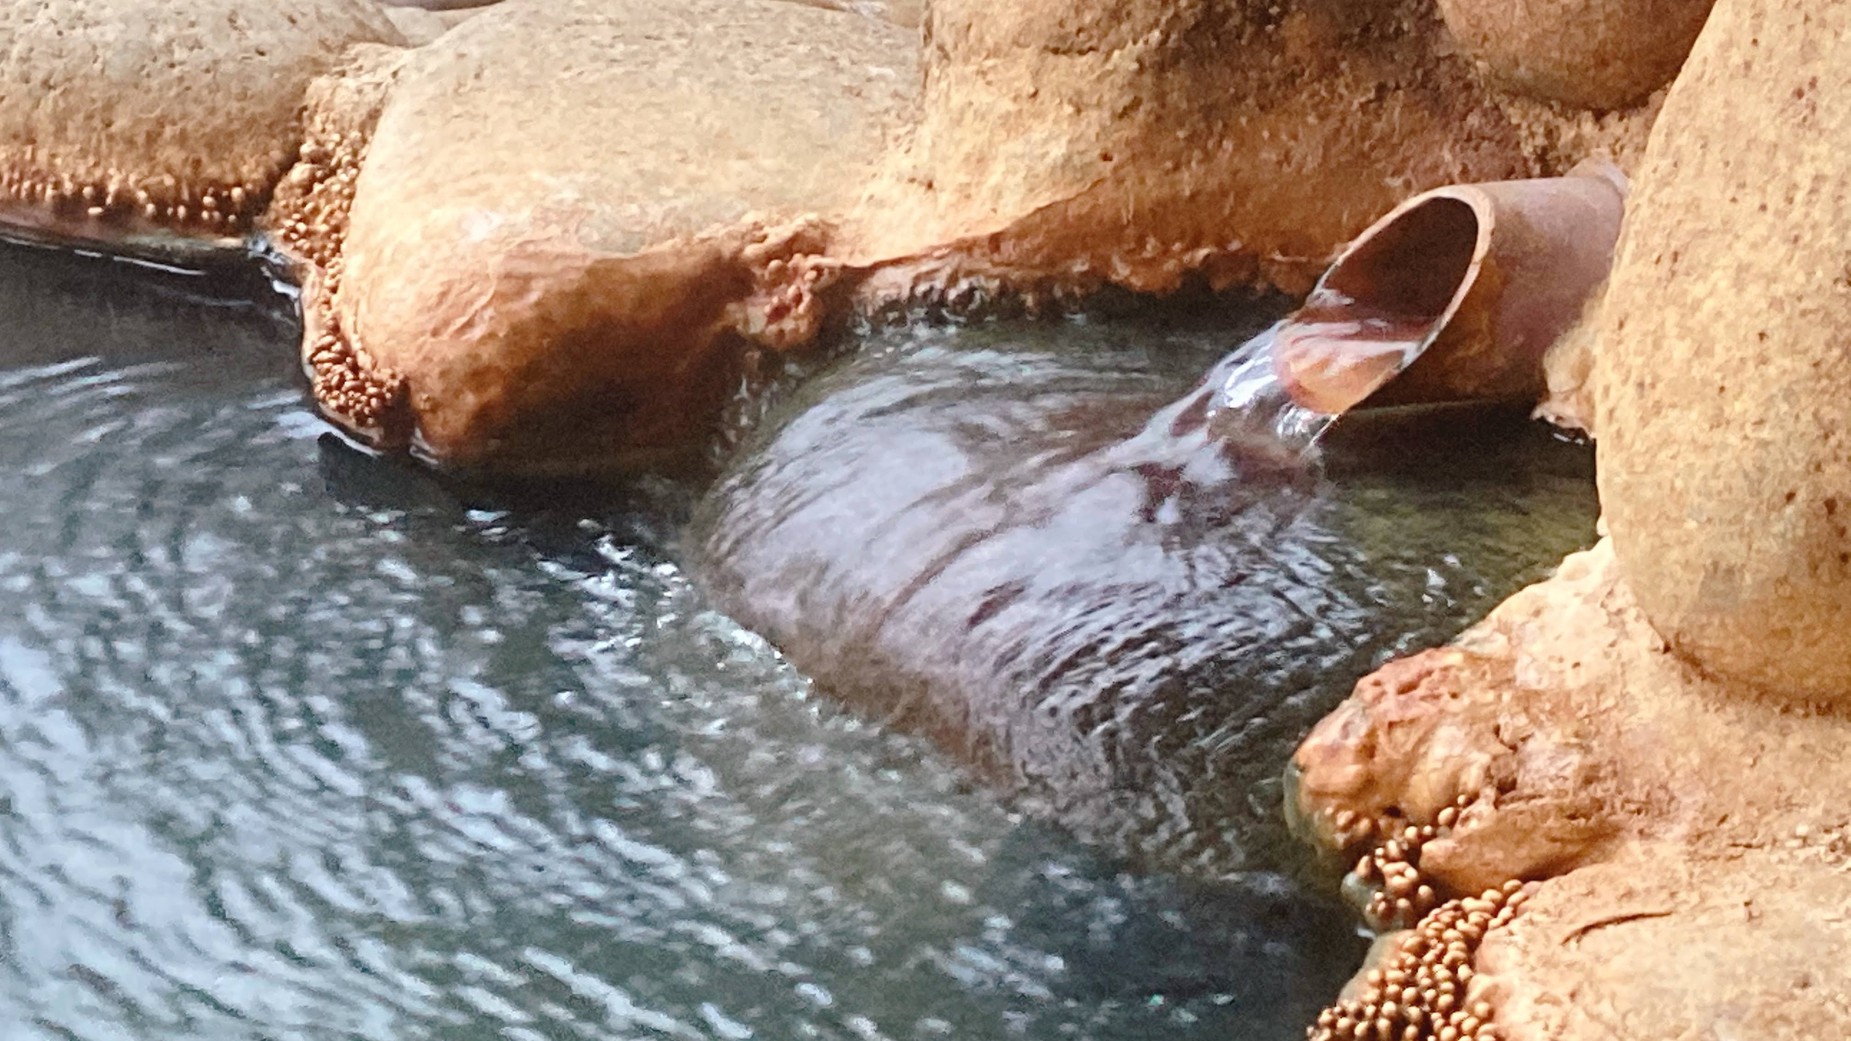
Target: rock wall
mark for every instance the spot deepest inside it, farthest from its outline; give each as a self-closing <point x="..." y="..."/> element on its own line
<point x="1725" y="458"/>
<point x="123" y="121"/>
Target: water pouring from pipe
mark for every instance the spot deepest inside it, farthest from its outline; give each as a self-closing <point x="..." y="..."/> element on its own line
<point x="1454" y="296"/>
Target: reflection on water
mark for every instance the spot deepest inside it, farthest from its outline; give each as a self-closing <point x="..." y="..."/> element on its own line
<point x="1024" y="543"/>
<point x="299" y="745"/>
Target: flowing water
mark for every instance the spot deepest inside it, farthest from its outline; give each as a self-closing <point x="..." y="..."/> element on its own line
<point x="299" y="744"/>
<point x="1122" y="604"/>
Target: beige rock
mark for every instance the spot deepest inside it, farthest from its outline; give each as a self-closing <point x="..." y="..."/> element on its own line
<point x="123" y="121"/>
<point x="1598" y="54"/>
<point x="1747" y="944"/>
<point x="575" y="216"/>
<point x="1724" y="468"/>
<point x="1568" y="373"/>
<point x="1140" y="142"/>
<point x="420" y="25"/>
<point x="1691" y="838"/>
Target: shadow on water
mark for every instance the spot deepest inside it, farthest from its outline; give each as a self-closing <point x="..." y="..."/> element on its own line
<point x="298" y="743"/>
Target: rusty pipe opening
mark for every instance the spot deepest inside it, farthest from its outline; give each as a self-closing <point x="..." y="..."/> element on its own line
<point x="1454" y="296"/>
<point x="1415" y="268"/>
<point x="1378" y="307"/>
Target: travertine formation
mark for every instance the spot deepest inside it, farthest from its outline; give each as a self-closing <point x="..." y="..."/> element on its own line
<point x="575" y="218"/>
<point x="1670" y="819"/>
<point x="1725" y="442"/>
<point x="1141" y="142"/>
<point x="1595" y="54"/>
<point x="1421" y="984"/>
<point x="1397" y="896"/>
<point x="308" y="221"/>
<point x="142" y="125"/>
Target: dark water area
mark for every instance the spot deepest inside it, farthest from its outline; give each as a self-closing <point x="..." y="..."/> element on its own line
<point x="300" y="744"/>
<point x="1040" y="547"/>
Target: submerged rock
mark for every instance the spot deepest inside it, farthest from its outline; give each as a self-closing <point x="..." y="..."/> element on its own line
<point x="1120" y="609"/>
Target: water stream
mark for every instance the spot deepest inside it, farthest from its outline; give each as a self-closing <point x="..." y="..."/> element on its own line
<point x="1120" y="598"/>
<point x="300" y="744"/>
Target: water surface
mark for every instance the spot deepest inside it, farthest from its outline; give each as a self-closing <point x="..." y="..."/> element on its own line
<point x="1123" y="599"/>
<point x="296" y="743"/>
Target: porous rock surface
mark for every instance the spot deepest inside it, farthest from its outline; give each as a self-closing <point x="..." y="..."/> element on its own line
<point x="1725" y="462"/>
<point x="122" y="120"/>
<point x="1141" y="141"/>
<point x="572" y="217"/>
<point x="1689" y="838"/>
<point x="1595" y="54"/>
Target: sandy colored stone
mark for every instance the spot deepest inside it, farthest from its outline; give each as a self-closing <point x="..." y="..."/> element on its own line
<point x="1141" y="142"/>
<point x="1744" y="944"/>
<point x="1568" y="373"/>
<point x="1725" y="463"/>
<point x="122" y="120"/>
<point x="1560" y="741"/>
<point x="1571" y="732"/>
<point x="573" y="218"/>
<point x="1558" y="136"/>
<point x="420" y="24"/>
<point x="908" y="13"/>
<point x="1596" y="54"/>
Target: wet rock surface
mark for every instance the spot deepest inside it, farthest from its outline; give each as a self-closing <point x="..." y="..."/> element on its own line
<point x="1560" y="741"/>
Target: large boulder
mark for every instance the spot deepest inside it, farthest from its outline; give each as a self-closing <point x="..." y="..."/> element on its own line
<point x="1599" y="54"/>
<point x="573" y="218"/>
<point x="1725" y="453"/>
<point x="136" y="124"/>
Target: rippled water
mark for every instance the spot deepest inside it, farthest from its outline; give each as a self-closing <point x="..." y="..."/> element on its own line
<point x="1123" y="598"/>
<point x="299" y="744"/>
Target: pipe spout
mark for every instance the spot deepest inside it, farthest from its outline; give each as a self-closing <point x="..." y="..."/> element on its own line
<point x="1455" y="295"/>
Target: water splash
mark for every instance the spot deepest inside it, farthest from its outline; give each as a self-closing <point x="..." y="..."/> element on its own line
<point x="1236" y="424"/>
<point x="1250" y="399"/>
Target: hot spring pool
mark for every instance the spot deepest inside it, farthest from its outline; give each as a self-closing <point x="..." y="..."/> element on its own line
<point x="298" y="743"/>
